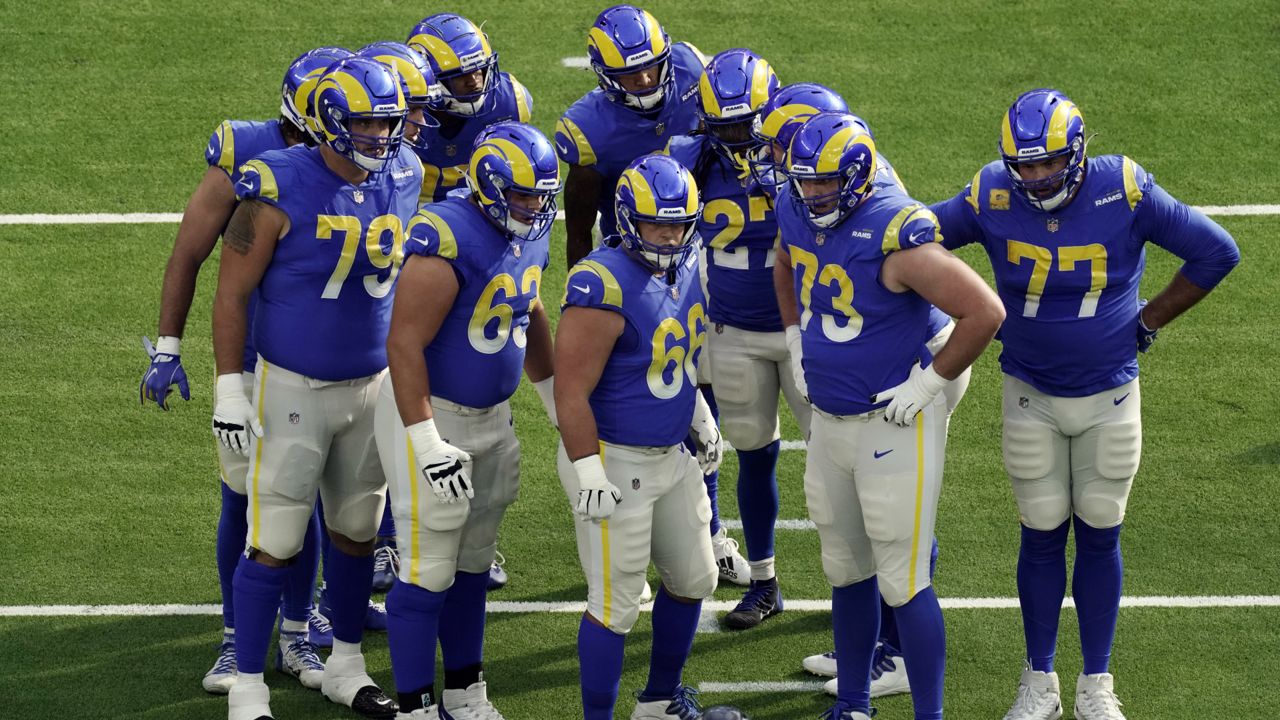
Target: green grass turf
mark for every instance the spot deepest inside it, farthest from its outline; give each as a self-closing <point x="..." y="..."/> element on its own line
<point x="105" y="502"/>
<point x="150" y="667"/>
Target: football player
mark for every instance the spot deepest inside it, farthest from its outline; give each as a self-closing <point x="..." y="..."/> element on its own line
<point x="319" y="234"/>
<point x="783" y="114"/>
<point x="627" y="350"/>
<point x="746" y="352"/>
<point x="1067" y="237"/>
<point x="864" y="264"/>
<point x="646" y="96"/>
<point x="467" y="319"/>
<point x="474" y="95"/>
<point x="206" y="214"/>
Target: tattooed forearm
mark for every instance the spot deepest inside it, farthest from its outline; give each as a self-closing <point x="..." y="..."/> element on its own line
<point x="239" y="233"/>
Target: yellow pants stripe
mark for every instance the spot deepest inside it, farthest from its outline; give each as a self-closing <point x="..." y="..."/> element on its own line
<point x="915" y="531"/>
<point x="257" y="459"/>
<point x="414" y="570"/>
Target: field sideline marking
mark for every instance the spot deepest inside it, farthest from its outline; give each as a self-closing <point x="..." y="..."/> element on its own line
<point x="806" y="524"/>
<point x="153" y="218"/>
<point x="575" y="606"/>
<point x="761" y="686"/>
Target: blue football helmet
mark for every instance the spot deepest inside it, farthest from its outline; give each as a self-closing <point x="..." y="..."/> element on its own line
<point x="731" y="92"/>
<point x="361" y="88"/>
<point x="517" y="157"/>
<point x="1043" y="125"/>
<point x="779" y="118"/>
<point x="625" y="39"/>
<point x="455" y="47"/>
<point x="421" y="89"/>
<point x="831" y="146"/>
<point x="300" y="81"/>
<point x="657" y="189"/>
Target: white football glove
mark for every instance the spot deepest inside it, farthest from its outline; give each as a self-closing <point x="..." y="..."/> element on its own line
<point x="441" y="463"/>
<point x="706" y="437"/>
<point x="797" y="357"/>
<point x="597" y="497"/>
<point x="233" y="415"/>
<point x="547" y="393"/>
<point x="913" y="395"/>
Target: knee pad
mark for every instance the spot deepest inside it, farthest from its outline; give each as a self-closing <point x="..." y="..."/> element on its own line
<point x="895" y="592"/>
<point x="437" y="573"/>
<point x="1100" y="497"/>
<point x="698" y="587"/>
<point x="749" y="427"/>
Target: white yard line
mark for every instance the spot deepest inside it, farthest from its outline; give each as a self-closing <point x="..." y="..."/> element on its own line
<point x="580" y="62"/>
<point x="525" y="606"/>
<point x="736" y="524"/>
<point x="153" y="218"/>
<point x="761" y="687"/>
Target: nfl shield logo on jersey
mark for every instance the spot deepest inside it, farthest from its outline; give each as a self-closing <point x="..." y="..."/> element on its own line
<point x="358" y="196"/>
<point x="635" y="483"/>
<point x="675" y="293"/>
<point x="820" y="239"/>
<point x="661" y="128"/>
<point x="1052" y="224"/>
<point x="294" y="418"/>
<point x="450" y="149"/>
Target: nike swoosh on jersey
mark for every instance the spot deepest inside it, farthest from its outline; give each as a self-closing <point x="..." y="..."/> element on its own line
<point x="912" y="237"/>
<point x="581" y="288"/>
<point x="563" y="148"/>
<point x="879" y="454"/>
<point x="1120" y="399"/>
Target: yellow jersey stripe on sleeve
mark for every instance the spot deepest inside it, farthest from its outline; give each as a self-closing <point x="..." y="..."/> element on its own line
<point x="1132" y="190"/>
<point x="227" y="140"/>
<point x="524" y="104"/>
<point x="586" y="155"/>
<point x="612" y="290"/>
<point x="974" y="196"/>
<point x="267" y="186"/>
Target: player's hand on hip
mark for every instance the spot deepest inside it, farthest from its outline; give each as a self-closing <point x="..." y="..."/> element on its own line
<point x="233" y="415"/>
<point x="442" y="464"/>
<point x="797" y="360"/>
<point x="913" y="395"/>
<point x="597" y="497"/>
<point x="1146" y="336"/>
<point x="164" y="372"/>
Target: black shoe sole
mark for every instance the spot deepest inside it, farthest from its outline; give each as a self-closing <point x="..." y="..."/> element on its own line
<point x="746" y="621"/>
<point x="371" y="702"/>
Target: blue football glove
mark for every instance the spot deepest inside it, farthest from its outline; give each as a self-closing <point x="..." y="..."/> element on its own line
<point x="165" y="371"/>
<point x="1146" y="336"/>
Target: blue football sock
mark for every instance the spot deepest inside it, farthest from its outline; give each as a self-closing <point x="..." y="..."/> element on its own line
<point x="257" y="597"/>
<point x="1096" y="584"/>
<point x="1042" y="582"/>
<point x="924" y="648"/>
<point x="233" y="528"/>
<point x="300" y="588"/>
<point x="855" y="622"/>
<point x="388" y="527"/>
<point x="462" y="621"/>
<point x="350" y="581"/>
<point x="758" y="498"/>
<point x="889" y="627"/>
<point x="933" y="558"/>
<point x="674" y="624"/>
<point x="600" y="668"/>
<point x="413" y="622"/>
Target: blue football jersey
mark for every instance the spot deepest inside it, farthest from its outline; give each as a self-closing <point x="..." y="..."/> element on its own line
<point x="324" y="302"/>
<point x="858" y="338"/>
<point x="606" y="135"/>
<point x="738" y="234"/>
<point x="444" y="164"/>
<point x="477" y="355"/>
<point x="234" y="142"/>
<point x="646" y="393"/>
<point x="1069" y="279"/>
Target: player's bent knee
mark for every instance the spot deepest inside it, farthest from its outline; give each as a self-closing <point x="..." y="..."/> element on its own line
<point x="699" y="587"/>
<point x="748" y="432"/>
<point x="896" y="592"/>
<point x="437" y="574"/>
<point x="840" y="574"/>
<point x="354" y="548"/>
<point x="276" y="556"/>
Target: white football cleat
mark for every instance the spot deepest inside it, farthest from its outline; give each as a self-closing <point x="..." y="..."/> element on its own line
<point x="1039" y="697"/>
<point x="888" y="672"/>
<point x="679" y="706"/>
<point x="431" y="713"/>
<point x="346" y="683"/>
<point x="297" y="657"/>
<point x="824" y="664"/>
<point x="222" y="676"/>
<point x="249" y="701"/>
<point x="1096" y="698"/>
<point x="733" y="567"/>
<point x="646" y="593"/>
<point x="470" y="704"/>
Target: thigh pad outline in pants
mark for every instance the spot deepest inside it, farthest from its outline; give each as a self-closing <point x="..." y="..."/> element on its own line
<point x="353" y="488"/>
<point x="745" y="382"/>
<point x="1104" y="461"/>
<point x="898" y="476"/>
<point x="614" y="553"/>
<point x="286" y="463"/>
<point x="833" y="502"/>
<point x="1036" y="456"/>
<point x="681" y="545"/>
<point x="495" y="475"/>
